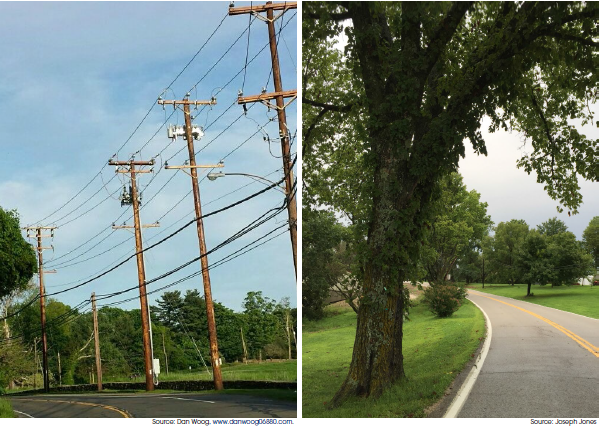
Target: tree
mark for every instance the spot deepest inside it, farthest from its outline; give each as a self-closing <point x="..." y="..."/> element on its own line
<point x="533" y="259"/>
<point x="260" y="323"/>
<point x="508" y="239"/>
<point x="460" y="222"/>
<point x="590" y="238"/>
<point x="321" y="234"/>
<point x="552" y="227"/>
<point x="17" y="258"/>
<point x="415" y="82"/>
<point x="569" y="259"/>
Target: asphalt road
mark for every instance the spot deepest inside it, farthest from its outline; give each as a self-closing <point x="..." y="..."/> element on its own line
<point x="542" y="362"/>
<point x="181" y="405"/>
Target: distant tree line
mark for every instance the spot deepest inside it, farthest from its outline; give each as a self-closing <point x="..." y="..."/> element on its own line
<point x="460" y="244"/>
<point x="516" y="253"/>
<point x="264" y="329"/>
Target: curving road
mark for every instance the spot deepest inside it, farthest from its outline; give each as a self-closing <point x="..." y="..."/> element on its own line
<point x="147" y="405"/>
<point x="542" y="362"/>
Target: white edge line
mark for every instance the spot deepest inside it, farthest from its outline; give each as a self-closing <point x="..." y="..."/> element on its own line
<point x="468" y="384"/>
<point x="188" y="399"/>
<point x="25" y="414"/>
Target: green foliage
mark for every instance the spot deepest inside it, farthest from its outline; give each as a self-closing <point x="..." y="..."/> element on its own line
<point x="507" y="240"/>
<point x="533" y="259"/>
<point x="552" y="227"/>
<point x="590" y="238"/>
<point x="444" y="300"/>
<point x="321" y="234"/>
<point x="345" y="271"/>
<point x="260" y="323"/>
<point x="460" y="223"/>
<point x="17" y="258"/>
<point x="177" y="323"/>
<point x="570" y="261"/>
<point x="15" y="361"/>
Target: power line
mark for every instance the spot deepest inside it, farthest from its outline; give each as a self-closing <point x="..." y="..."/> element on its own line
<point x="139" y="124"/>
<point x="168" y="237"/>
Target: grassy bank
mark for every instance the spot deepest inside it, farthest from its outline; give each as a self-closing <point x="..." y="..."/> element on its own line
<point x="265" y="371"/>
<point x="434" y="350"/>
<point x="583" y="300"/>
<point x="5" y="409"/>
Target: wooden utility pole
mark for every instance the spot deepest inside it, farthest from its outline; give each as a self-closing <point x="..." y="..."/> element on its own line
<point x="133" y="200"/>
<point x="288" y="333"/>
<point x="60" y="377"/>
<point x="37" y="230"/>
<point x="35" y="361"/>
<point x="97" y="343"/>
<point x="244" y="346"/>
<point x="165" y="353"/>
<point x="279" y="96"/>
<point x="204" y="262"/>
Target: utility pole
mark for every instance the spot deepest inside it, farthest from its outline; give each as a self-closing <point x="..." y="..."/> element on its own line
<point x="38" y="235"/>
<point x="35" y="361"/>
<point x="97" y="343"/>
<point x="60" y="377"/>
<point x="279" y="96"/>
<point x="132" y="198"/>
<point x="204" y="262"/>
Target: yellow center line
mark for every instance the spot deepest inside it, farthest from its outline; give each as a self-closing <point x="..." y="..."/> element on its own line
<point x="588" y="346"/>
<point x="107" y="407"/>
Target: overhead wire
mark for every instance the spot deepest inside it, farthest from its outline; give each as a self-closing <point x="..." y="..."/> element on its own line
<point x="154" y="104"/>
<point x="168" y="237"/>
<point x="246" y="63"/>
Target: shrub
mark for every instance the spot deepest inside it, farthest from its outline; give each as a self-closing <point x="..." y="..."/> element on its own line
<point x="444" y="300"/>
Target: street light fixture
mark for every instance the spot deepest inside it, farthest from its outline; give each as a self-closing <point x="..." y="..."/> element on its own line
<point x="215" y="176"/>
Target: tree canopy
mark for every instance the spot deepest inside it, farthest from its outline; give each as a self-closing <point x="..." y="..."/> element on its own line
<point x="17" y="258"/>
<point x="384" y="121"/>
<point x="590" y="238"/>
<point x="460" y="223"/>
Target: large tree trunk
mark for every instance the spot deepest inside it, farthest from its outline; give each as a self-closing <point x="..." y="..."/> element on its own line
<point x="401" y="192"/>
<point x="377" y="357"/>
<point x="394" y="232"/>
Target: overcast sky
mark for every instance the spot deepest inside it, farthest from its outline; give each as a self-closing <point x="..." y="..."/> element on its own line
<point x="513" y="194"/>
<point x="78" y="78"/>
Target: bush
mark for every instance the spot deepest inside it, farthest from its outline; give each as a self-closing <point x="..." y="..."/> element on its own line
<point x="444" y="300"/>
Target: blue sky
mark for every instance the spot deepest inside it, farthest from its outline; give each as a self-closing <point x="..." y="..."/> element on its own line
<point x="78" y="78"/>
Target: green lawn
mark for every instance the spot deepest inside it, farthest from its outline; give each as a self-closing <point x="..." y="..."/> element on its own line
<point x="5" y="409"/>
<point x="435" y="350"/>
<point x="582" y="300"/>
<point x="265" y="371"/>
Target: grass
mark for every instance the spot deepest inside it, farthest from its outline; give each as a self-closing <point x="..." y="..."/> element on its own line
<point x="265" y="371"/>
<point x="583" y="300"/>
<point x="5" y="409"/>
<point x="434" y="350"/>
